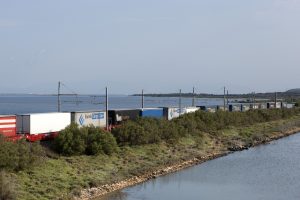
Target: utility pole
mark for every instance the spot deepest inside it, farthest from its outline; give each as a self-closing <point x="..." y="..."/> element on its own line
<point x="254" y="100"/>
<point x="58" y="97"/>
<point x="142" y="99"/>
<point x="179" y="102"/>
<point x="193" y="102"/>
<point x="106" y="107"/>
<point x="275" y="100"/>
<point x="224" y="98"/>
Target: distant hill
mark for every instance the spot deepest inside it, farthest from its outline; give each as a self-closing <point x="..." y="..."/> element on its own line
<point x="295" y="91"/>
<point x="290" y="94"/>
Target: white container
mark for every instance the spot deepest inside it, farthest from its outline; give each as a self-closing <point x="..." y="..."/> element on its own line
<point x="191" y="109"/>
<point x="41" y="123"/>
<point x="172" y="113"/>
<point x="88" y="118"/>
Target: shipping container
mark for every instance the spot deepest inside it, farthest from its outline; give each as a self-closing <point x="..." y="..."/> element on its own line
<point x="152" y="112"/>
<point x="118" y="116"/>
<point x="202" y="108"/>
<point x="211" y="110"/>
<point x="171" y="112"/>
<point x="88" y="118"/>
<point x="254" y="106"/>
<point x="42" y="123"/>
<point x="191" y="109"/>
<point x="245" y="108"/>
<point x="230" y="108"/>
<point x="8" y="125"/>
<point x="236" y="108"/>
<point x="174" y="112"/>
<point x="262" y="106"/>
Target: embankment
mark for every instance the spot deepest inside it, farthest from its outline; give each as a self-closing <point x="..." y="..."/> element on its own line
<point x="217" y="151"/>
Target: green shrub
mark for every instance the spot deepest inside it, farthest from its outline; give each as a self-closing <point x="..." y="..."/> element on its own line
<point x="148" y="131"/>
<point x="18" y="155"/>
<point x="86" y="140"/>
<point x="297" y="104"/>
<point x="100" y="141"/>
<point x="7" y="187"/>
<point x="71" y="141"/>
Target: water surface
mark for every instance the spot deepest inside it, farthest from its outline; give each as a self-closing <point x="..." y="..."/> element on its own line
<point x="18" y="104"/>
<point x="267" y="172"/>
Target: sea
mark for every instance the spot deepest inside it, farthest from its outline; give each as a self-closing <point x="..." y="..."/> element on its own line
<point x="31" y="103"/>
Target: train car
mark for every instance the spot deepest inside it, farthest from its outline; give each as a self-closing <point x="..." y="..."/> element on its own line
<point x="87" y="118"/>
<point x="152" y="112"/>
<point x="171" y="112"/>
<point x="41" y="126"/>
<point x="174" y="112"/>
<point x="116" y="117"/>
<point x="8" y="127"/>
<point x="190" y="109"/>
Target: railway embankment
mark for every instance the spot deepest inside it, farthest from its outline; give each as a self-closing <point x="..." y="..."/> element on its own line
<point x="86" y="167"/>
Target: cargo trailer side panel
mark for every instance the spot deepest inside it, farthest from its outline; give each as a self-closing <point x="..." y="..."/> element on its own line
<point x="8" y="126"/>
<point x="48" y="122"/>
<point x="97" y="119"/>
<point x="172" y="113"/>
<point x="191" y="109"/>
<point x="156" y="113"/>
<point x="118" y="116"/>
<point x="23" y="124"/>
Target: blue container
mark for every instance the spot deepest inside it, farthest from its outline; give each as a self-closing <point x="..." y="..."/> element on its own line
<point x="155" y="113"/>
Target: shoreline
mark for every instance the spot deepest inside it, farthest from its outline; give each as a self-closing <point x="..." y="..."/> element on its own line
<point x="98" y="192"/>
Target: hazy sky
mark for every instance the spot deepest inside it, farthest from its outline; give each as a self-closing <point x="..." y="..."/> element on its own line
<point x="158" y="45"/>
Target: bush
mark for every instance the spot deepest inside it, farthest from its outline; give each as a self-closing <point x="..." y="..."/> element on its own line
<point x="71" y="141"/>
<point x="297" y="104"/>
<point x="18" y="155"/>
<point x="7" y="187"/>
<point x="99" y="142"/>
<point x="86" y="140"/>
<point x="148" y="131"/>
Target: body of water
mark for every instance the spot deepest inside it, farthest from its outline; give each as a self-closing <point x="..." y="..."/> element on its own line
<point x="266" y="172"/>
<point x="18" y="104"/>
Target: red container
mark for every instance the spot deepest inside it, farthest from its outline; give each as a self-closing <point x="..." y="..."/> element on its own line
<point x="8" y="125"/>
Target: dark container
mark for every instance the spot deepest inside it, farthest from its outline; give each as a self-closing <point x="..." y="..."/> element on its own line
<point x="116" y="117"/>
<point x="230" y="108"/>
<point x="154" y="113"/>
<point x="202" y="108"/>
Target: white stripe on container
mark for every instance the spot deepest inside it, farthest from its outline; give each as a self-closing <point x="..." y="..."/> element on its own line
<point x="7" y="121"/>
<point x="8" y="126"/>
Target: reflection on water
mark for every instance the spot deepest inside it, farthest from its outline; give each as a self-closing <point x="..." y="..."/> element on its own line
<point x="118" y="195"/>
<point x="270" y="172"/>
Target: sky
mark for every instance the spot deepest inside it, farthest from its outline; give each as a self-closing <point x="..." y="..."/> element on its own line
<point x="160" y="46"/>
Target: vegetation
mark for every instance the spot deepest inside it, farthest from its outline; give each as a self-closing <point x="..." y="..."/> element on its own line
<point x="149" y="131"/>
<point x="7" y="187"/>
<point x="89" y="157"/>
<point x="297" y="104"/>
<point x="86" y="140"/>
<point x="293" y="93"/>
<point x="18" y="155"/>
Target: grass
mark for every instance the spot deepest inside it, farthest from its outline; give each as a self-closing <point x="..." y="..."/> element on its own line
<point x="57" y="176"/>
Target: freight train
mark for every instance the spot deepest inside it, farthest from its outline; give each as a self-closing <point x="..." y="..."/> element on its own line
<point x="44" y="126"/>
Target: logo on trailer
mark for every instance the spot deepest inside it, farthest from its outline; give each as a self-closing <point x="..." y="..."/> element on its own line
<point x="81" y="120"/>
<point x="98" y="116"/>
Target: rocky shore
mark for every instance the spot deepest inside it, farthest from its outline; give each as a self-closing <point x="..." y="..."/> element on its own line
<point x="97" y="192"/>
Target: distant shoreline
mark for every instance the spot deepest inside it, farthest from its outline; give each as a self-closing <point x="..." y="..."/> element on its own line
<point x="268" y="95"/>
